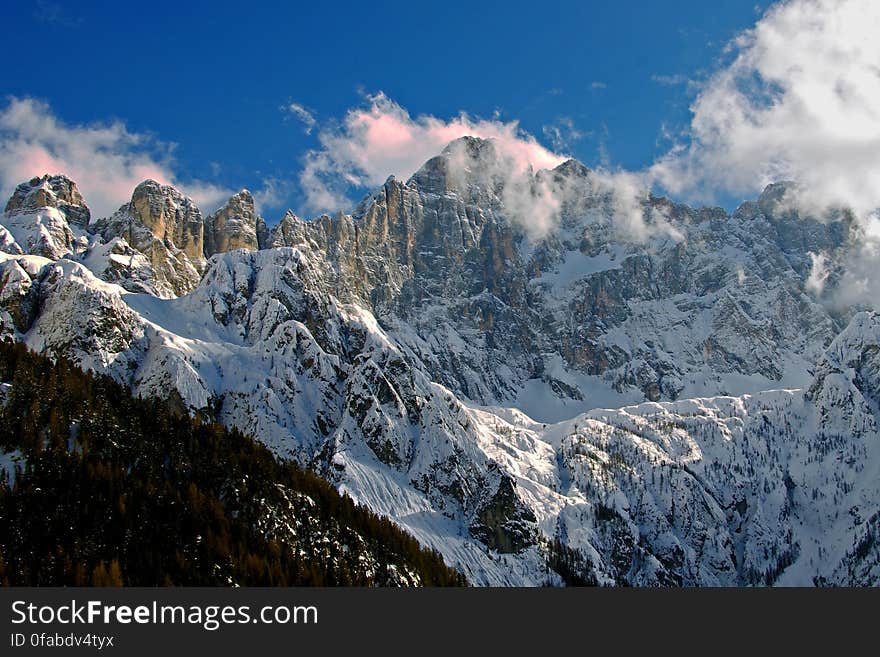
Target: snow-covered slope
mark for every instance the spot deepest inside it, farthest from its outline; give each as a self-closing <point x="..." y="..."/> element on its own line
<point x="401" y="350"/>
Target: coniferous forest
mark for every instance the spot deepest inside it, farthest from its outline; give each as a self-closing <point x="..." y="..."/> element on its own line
<point x="115" y="490"/>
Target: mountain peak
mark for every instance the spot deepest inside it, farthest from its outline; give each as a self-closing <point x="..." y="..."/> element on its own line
<point x="50" y="191"/>
<point x="289" y="216"/>
<point x="169" y="215"/>
<point x="402" y="348"/>
<point x="463" y="161"/>
<point x="572" y="168"/>
<point x="778" y="198"/>
<point x="154" y="188"/>
<point x="474" y="146"/>
<point x="234" y="226"/>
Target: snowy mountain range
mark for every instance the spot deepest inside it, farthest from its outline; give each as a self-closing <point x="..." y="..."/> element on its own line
<point x="640" y="393"/>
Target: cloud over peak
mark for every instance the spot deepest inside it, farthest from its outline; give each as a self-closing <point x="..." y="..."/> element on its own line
<point x="106" y="160"/>
<point x="381" y="138"/>
<point x="800" y="100"/>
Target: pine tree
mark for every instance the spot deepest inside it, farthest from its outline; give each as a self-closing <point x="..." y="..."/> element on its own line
<point x="145" y="496"/>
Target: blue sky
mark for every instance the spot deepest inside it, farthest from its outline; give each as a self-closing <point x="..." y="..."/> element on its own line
<point x="614" y="78"/>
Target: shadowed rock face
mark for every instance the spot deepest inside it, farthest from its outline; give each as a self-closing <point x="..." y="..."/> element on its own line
<point x="504" y="523"/>
<point x="263" y="233"/>
<point x="234" y="226"/>
<point x="50" y="192"/>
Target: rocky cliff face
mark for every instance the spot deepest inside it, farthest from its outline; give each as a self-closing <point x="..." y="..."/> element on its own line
<point x="587" y="313"/>
<point x="394" y="350"/>
<point x="169" y="216"/>
<point x="234" y="226"/>
<point x="164" y="227"/>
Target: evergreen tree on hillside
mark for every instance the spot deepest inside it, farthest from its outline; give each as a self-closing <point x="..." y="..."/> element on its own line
<point x="117" y="490"/>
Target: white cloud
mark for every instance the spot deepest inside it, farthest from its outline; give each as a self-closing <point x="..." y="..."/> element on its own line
<point x="800" y="100"/>
<point x="104" y="159"/>
<point x="818" y="273"/>
<point x="670" y="80"/>
<point x="273" y="192"/>
<point x="859" y="279"/>
<point x="627" y="191"/>
<point x="302" y="114"/>
<point x="381" y="139"/>
<point x="563" y="134"/>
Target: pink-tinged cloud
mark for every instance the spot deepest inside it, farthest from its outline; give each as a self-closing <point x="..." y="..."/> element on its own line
<point x="105" y="160"/>
<point x="382" y="139"/>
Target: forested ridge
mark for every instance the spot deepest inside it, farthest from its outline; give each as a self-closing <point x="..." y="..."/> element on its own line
<point x="117" y="490"/>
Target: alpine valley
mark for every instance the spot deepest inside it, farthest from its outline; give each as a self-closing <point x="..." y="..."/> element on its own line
<point x="635" y="394"/>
